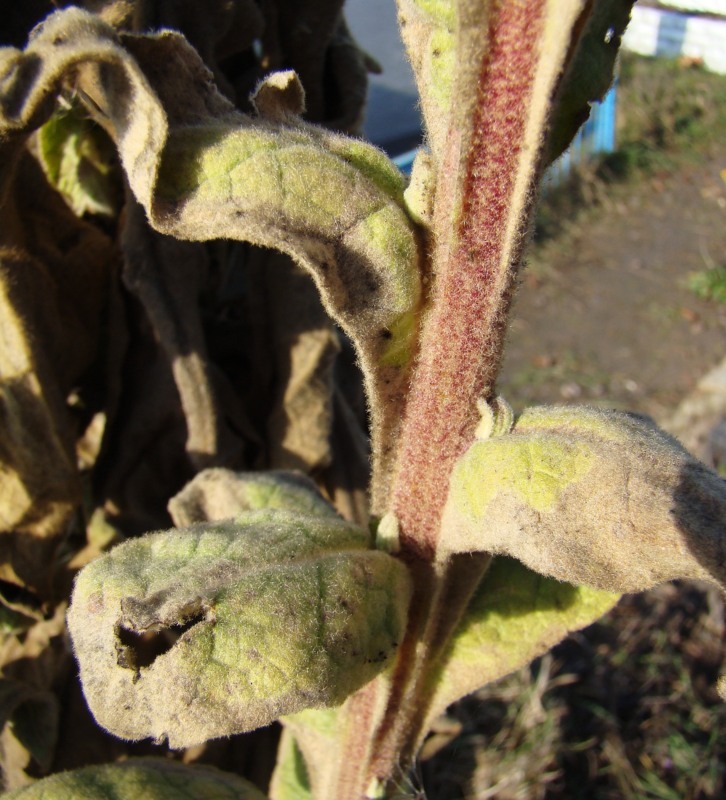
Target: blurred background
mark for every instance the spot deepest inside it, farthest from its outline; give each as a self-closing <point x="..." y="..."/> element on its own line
<point x="392" y="117"/>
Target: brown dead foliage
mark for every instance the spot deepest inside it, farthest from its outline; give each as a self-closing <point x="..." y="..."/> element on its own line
<point x="131" y="361"/>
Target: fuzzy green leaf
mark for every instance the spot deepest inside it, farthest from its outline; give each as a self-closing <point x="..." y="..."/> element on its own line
<point x="290" y="780"/>
<point x="590" y="72"/>
<point x="429" y="28"/>
<point x="220" y="628"/>
<point x="147" y="778"/>
<point x="515" y="616"/>
<point x="77" y="158"/>
<point x="218" y="493"/>
<point x="592" y="497"/>
<point x="309" y="738"/>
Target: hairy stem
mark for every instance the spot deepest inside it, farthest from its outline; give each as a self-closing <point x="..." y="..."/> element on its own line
<point x="486" y="176"/>
<point x="484" y="193"/>
<point x="385" y="722"/>
<point x="463" y="338"/>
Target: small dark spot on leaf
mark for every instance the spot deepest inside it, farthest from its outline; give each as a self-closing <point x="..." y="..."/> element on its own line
<point x="372" y="285"/>
<point x="386" y="334"/>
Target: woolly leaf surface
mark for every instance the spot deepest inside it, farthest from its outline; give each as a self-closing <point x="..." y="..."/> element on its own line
<point x="77" y="158"/>
<point x="147" y="778"/>
<point x="217" y="493"/>
<point x="193" y="634"/>
<point x="204" y="171"/>
<point x="515" y="616"/>
<point x="290" y="780"/>
<point x="592" y="497"/>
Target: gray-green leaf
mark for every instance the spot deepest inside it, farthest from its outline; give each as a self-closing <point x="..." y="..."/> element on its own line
<point x="590" y="72"/>
<point x="592" y="497"/>
<point x="221" y="628"/>
<point x="78" y="157"/>
<point x="290" y="780"/>
<point x="218" y="493"/>
<point x="514" y="616"/>
<point x="147" y="778"/>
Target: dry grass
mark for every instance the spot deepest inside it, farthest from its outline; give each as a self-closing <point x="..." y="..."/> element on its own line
<point x="626" y="710"/>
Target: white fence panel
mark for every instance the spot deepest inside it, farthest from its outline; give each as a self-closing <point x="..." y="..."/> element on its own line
<point x="655" y="32"/>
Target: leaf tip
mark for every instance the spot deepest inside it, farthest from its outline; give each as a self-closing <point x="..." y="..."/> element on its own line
<point x="279" y="97"/>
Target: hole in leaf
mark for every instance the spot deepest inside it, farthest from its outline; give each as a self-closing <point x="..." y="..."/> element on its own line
<point x="139" y="650"/>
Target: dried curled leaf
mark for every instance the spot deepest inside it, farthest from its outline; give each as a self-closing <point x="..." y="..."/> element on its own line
<point x="168" y="276"/>
<point x="53" y="290"/>
<point x="34" y="664"/>
<point x="221" y="628"/>
<point x="203" y="171"/>
<point x="514" y="616"/>
<point x="303" y="347"/>
<point x="150" y="778"/>
<point x="592" y="497"/>
<point x="39" y="486"/>
<point x="28" y="729"/>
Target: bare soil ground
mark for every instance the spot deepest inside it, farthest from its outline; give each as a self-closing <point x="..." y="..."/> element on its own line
<point x="627" y="709"/>
<point x="604" y="314"/>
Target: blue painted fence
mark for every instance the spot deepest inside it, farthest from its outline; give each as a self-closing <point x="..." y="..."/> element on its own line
<point x="595" y="137"/>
